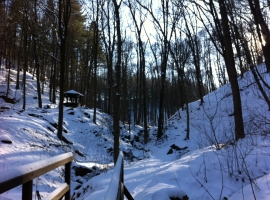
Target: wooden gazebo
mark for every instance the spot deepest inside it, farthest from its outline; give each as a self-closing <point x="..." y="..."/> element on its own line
<point x="72" y="98"/>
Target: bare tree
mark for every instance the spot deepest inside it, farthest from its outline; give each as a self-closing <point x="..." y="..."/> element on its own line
<point x="108" y="38"/>
<point x="95" y="55"/>
<point x="117" y="87"/>
<point x="230" y="65"/>
<point x="262" y="28"/>
<point x="195" y="47"/>
<point x="63" y="20"/>
<point x="165" y="26"/>
<point x="25" y="44"/>
<point x="138" y="28"/>
<point x="33" y="27"/>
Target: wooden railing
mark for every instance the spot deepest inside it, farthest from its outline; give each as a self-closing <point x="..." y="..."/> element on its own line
<point x="117" y="189"/>
<point x="24" y="175"/>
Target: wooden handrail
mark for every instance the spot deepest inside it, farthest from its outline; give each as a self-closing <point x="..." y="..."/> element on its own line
<point x="24" y="175"/>
<point x="117" y="189"/>
<point x="58" y="193"/>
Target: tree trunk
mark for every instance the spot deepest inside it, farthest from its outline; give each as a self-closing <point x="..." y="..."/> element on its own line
<point x="259" y="20"/>
<point x="25" y="35"/>
<point x="117" y="88"/>
<point x="252" y="66"/>
<point x="19" y="64"/>
<point x="161" y="97"/>
<point x="8" y="66"/>
<point x="63" y="31"/>
<point x="36" y="57"/>
<point x="230" y="65"/>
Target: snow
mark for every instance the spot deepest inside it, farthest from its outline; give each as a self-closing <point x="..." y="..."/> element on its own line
<point x="261" y="190"/>
<point x="31" y="168"/>
<point x="73" y="92"/>
<point x="5" y="137"/>
<point x="211" y="166"/>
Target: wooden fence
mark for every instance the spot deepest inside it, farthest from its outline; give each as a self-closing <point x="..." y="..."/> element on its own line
<point x="117" y="189"/>
<point x="24" y="175"/>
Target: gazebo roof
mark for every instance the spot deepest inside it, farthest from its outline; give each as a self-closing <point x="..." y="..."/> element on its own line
<point x="72" y="93"/>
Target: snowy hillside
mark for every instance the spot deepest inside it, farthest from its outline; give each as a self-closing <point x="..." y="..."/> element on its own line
<point x="208" y="166"/>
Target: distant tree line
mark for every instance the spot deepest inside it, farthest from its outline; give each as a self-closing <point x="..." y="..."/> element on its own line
<point x="107" y="50"/>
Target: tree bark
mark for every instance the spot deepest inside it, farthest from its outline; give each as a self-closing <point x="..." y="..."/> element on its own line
<point x="230" y="65"/>
<point x="25" y="36"/>
<point x="63" y="17"/>
<point x="117" y="87"/>
<point x="259" y="21"/>
<point x="36" y="57"/>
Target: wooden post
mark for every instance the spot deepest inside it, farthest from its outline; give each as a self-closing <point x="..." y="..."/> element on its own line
<point x="118" y="179"/>
<point x="121" y="186"/>
<point x="23" y="176"/>
<point x="122" y="179"/>
<point x="67" y="178"/>
<point x="127" y="193"/>
<point x="27" y="190"/>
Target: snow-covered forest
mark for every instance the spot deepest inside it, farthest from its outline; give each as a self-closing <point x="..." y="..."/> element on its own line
<point x="181" y="87"/>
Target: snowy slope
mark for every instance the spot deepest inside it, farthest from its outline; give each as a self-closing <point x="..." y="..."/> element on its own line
<point x="201" y="171"/>
<point x="208" y="166"/>
<point x="33" y="136"/>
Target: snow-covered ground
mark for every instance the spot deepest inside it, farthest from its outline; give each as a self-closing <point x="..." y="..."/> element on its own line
<point x="210" y="165"/>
